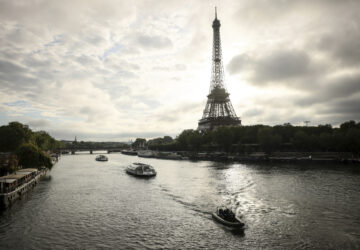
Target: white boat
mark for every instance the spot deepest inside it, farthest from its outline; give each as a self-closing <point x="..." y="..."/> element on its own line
<point x="140" y="170"/>
<point x="145" y="153"/>
<point x="101" y="158"/>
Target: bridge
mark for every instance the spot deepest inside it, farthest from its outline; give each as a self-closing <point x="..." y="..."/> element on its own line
<point x="91" y="150"/>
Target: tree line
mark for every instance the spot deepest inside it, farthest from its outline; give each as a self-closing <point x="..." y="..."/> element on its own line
<point x="248" y="139"/>
<point x="28" y="146"/>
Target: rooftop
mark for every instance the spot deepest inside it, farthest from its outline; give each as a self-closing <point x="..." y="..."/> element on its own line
<point x="27" y="170"/>
<point x="8" y="180"/>
<point x="14" y="176"/>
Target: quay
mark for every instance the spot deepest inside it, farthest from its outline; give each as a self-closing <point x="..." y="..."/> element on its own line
<point x="276" y="157"/>
<point x="13" y="186"/>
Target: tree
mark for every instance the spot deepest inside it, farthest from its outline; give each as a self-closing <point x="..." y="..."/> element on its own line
<point x="139" y="143"/>
<point x="268" y="141"/>
<point x="194" y="140"/>
<point x="13" y="135"/>
<point x="183" y="139"/>
<point x="223" y="136"/>
<point x="31" y="157"/>
<point x="301" y="140"/>
<point x="348" y="125"/>
<point x="352" y="140"/>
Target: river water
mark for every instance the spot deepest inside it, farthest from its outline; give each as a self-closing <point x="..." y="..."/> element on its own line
<point x="85" y="204"/>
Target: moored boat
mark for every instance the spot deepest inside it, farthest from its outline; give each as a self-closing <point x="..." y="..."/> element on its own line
<point x="101" y="158"/>
<point x="129" y="152"/>
<point x="13" y="186"/>
<point x="140" y="170"/>
<point x="226" y="217"/>
<point x="146" y="153"/>
<point x="168" y="155"/>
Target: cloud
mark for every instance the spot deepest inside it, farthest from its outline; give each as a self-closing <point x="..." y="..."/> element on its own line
<point x="239" y="63"/>
<point x="279" y="66"/>
<point x="349" y="107"/>
<point x="143" y="68"/>
<point x="11" y="68"/>
<point x="252" y="112"/>
<point x="343" y="86"/>
<point x="153" y="42"/>
<point x="341" y="44"/>
<point x="40" y="123"/>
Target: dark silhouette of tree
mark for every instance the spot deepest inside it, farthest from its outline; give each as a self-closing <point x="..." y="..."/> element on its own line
<point x="13" y="135"/>
<point x="28" y="146"/>
<point x="139" y="143"/>
<point x="267" y="140"/>
<point x="31" y="157"/>
<point x="286" y="137"/>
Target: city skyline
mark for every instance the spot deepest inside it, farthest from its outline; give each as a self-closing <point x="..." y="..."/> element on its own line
<point x="105" y="70"/>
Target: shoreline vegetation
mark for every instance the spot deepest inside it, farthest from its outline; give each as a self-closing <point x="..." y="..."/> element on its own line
<point x="280" y="143"/>
<point x="20" y="147"/>
<point x="259" y="157"/>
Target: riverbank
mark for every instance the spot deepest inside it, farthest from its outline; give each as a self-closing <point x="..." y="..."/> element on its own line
<point x="293" y="157"/>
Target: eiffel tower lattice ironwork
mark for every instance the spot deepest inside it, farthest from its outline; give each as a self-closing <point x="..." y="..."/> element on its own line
<point x="218" y="110"/>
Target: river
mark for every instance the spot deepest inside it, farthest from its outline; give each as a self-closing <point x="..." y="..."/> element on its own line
<point x="85" y="204"/>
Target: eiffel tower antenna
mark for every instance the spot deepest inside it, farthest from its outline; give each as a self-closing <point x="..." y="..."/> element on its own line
<point x="218" y="110"/>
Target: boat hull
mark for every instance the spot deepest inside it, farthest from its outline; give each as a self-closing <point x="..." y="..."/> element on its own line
<point x="227" y="223"/>
<point x="145" y="153"/>
<point x="101" y="158"/>
<point x="125" y="152"/>
<point x="140" y="175"/>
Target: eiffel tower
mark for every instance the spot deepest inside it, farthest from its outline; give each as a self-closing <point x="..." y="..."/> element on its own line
<point x="218" y="110"/>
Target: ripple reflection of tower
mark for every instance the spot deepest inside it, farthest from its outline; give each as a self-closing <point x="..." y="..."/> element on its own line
<point x="218" y="110"/>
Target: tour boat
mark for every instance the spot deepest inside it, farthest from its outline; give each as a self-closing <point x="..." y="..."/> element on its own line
<point x="226" y="217"/>
<point x="101" y="158"/>
<point x="140" y="170"/>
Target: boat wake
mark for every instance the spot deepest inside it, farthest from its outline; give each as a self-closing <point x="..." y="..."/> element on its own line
<point x="186" y="204"/>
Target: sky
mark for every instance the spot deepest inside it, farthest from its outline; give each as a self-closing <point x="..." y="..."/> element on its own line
<point x="114" y="70"/>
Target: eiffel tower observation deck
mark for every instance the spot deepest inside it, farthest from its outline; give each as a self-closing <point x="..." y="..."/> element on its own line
<point x="218" y="110"/>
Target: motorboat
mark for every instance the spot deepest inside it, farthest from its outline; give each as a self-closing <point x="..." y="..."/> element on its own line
<point x="101" y="158"/>
<point x="140" y="170"/>
<point x="226" y="217"/>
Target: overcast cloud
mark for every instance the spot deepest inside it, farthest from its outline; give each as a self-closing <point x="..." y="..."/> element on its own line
<point x="117" y="70"/>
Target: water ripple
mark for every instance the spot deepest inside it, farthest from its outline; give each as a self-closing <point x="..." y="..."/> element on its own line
<point x="86" y="205"/>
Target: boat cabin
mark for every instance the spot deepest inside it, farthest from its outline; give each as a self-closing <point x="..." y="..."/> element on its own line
<point x="7" y="184"/>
